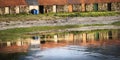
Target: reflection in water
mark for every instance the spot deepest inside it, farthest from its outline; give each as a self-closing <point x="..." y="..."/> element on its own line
<point x="11" y="47"/>
<point x="96" y="36"/>
<point x="110" y="34"/>
<point x="90" y="45"/>
<point x="11" y="50"/>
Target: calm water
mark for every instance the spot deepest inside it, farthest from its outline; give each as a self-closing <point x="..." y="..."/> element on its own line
<point x="73" y="45"/>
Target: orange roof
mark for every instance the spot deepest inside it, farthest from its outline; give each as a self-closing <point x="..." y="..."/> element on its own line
<point x="4" y="3"/>
<point x="101" y="1"/>
<point x="14" y="49"/>
<point x="90" y="1"/>
<point x="63" y="2"/>
<point x="75" y="1"/>
<point x="12" y="2"/>
<point x="52" y="2"/>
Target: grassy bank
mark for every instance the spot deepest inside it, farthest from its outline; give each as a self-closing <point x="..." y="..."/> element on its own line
<point x="26" y="17"/>
<point x="88" y="14"/>
<point x="116" y="23"/>
<point x="54" y="16"/>
<point x="13" y="34"/>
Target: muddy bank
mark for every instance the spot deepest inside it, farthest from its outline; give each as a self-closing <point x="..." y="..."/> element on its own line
<point x="61" y="22"/>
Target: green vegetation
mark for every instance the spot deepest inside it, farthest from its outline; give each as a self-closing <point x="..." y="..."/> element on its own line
<point x="87" y="14"/>
<point x="11" y="56"/>
<point x="116" y="23"/>
<point x="94" y="25"/>
<point x="54" y="16"/>
<point x="26" y="17"/>
<point x="93" y="31"/>
<point x="12" y="34"/>
<point x="15" y="33"/>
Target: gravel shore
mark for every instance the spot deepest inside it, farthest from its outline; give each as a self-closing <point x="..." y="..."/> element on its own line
<point x="65" y="21"/>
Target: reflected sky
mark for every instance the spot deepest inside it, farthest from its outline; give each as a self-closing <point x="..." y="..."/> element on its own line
<point x="72" y="45"/>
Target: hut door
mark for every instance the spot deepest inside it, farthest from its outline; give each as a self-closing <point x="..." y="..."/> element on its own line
<point x="41" y="8"/>
<point x="109" y="6"/>
<point x="95" y="7"/>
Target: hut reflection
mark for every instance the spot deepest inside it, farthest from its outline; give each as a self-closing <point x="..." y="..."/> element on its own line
<point x="110" y="34"/>
<point x="14" y="46"/>
<point x="85" y="37"/>
<point x="63" y="39"/>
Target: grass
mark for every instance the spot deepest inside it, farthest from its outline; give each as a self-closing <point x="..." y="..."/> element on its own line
<point x="54" y="16"/>
<point x="87" y="14"/>
<point x="94" y="25"/>
<point x="93" y="31"/>
<point x="13" y="34"/>
<point x="116" y="23"/>
<point x="26" y="17"/>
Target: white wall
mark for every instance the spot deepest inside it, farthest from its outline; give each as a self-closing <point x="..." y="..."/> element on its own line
<point x="33" y="7"/>
<point x="17" y="9"/>
<point x="8" y="43"/>
<point x="54" y="8"/>
<point x="7" y="10"/>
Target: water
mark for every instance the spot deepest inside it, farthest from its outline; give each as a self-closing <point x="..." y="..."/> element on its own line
<point x="73" y="45"/>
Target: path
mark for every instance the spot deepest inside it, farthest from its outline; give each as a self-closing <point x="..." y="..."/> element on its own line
<point x="60" y="22"/>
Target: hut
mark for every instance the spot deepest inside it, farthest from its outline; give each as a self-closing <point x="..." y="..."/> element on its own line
<point x="94" y="5"/>
<point x="45" y="6"/>
<point x="52" y="6"/>
<point x="33" y="5"/>
<point x="78" y="5"/>
<point x="104" y="5"/>
<point x="13" y="6"/>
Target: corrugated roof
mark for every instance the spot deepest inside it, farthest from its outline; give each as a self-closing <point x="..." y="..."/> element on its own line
<point x="32" y="2"/>
<point x="12" y="2"/>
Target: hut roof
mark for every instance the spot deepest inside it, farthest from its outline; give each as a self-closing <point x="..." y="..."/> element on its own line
<point x="4" y="3"/>
<point x="32" y="2"/>
<point x="90" y="1"/>
<point x="100" y="1"/>
<point x="52" y="2"/>
<point x="63" y="2"/>
<point x="75" y="1"/>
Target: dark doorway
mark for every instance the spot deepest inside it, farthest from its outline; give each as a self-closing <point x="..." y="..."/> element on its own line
<point x="41" y="8"/>
<point x="110" y="34"/>
<point x="97" y="36"/>
<point x="109" y="6"/>
<point x="95" y="7"/>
